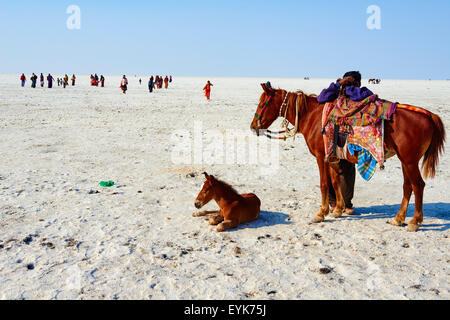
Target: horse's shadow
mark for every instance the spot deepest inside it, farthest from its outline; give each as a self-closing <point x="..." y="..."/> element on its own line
<point x="436" y="210"/>
<point x="266" y="219"/>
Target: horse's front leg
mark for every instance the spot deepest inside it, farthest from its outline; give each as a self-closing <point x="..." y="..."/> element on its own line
<point x="324" y="174"/>
<point x="335" y="181"/>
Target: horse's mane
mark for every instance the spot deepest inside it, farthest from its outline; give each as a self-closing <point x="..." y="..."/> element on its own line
<point x="304" y="107"/>
<point x="309" y="95"/>
<point x="227" y="190"/>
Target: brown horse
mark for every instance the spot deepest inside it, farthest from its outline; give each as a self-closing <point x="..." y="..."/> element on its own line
<point x="235" y="208"/>
<point x="410" y="134"/>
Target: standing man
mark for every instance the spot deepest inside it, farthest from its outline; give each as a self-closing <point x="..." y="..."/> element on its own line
<point x="151" y="84"/>
<point x="33" y="80"/>
<point x="352" y="86"/>
<point x="23" y="79"/>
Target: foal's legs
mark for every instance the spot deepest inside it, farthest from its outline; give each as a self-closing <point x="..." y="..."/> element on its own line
<point x="215" y="220"/>
<point x="227" y="224"/>
<point x="399" y="220"/>
<point x="204" y="213"/>
<point x="324" y="173"/>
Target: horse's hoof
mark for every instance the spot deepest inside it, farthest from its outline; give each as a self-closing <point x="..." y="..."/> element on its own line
<point x="395" y="223"/>
<point x="412" y="228"/>
<point x="318" y="219"/>
<point x="337" y="213"/>
<point x="350" y="211"/>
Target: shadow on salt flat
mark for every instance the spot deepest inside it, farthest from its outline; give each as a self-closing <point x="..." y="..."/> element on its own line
<point x="430" y="210"/>
<point x="266" y="219"/>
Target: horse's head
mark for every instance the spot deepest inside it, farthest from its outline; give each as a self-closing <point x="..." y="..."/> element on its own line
<point x="207" y="192"/>
<point x="268" y="109"/>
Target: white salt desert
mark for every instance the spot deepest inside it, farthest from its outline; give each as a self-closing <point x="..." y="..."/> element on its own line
<point x="62" y="236"/>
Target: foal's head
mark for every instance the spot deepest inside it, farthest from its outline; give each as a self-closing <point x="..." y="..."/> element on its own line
<point x="207" y="193"/>
<point x="215" y="189"/>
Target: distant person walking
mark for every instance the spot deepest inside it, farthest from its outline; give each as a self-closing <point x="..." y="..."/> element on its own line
<point x="66" y="80"/>
<point x="207" y="90"/>
<point x="23" y="79"/>
<point x="50" y="80"/>
<point x="151" y="84"/>
<point x="170" y="79"/>
<point x="73" y="80"/>
<point x="166" y="82"/>
<point x="160" y="82"/>
<point x="42" y="80"/>
<point x="33" y="80"/>
<point x="124" y="84"/>
<point x="96" y="80"/>
<point x="102" y="81"/>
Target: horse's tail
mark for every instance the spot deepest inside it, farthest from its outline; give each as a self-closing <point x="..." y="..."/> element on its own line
<point x="431" y="159"/>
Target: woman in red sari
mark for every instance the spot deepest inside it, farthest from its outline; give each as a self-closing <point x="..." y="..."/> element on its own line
<point x="207" y="90"/>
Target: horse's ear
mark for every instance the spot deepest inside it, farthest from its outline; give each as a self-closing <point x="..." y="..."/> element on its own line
<point x="267" y="87"/>
<point x="207" y="176"/>
<point x="266" y="90"/>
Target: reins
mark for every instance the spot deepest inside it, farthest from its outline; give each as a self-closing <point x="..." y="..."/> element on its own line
<point x="288" y="132"/>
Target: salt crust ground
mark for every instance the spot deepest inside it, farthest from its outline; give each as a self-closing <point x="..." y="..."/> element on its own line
<point x="60" y="239"/>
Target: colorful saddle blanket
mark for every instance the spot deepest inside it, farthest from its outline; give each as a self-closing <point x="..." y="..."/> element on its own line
<point x="369" y="111"/>
<point x="362" y="122"/>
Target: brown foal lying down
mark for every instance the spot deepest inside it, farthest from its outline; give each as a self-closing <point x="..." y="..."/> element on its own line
<point x="235" y="208"/>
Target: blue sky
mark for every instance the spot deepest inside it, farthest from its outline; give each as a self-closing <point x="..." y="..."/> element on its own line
<point x="248" y="38"/>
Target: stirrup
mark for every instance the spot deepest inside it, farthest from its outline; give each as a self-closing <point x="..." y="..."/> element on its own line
<point x="332" y="159"/>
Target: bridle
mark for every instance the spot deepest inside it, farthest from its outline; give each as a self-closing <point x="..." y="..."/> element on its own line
<point x="288" y="132"/>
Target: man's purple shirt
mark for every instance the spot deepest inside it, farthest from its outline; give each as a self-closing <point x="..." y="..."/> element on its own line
<point x="354" y="93"/>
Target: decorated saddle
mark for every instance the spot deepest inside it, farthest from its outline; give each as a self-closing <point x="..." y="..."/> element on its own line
<point x="357" y="128"/>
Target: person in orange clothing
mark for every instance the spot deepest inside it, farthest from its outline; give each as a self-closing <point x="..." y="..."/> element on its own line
<point x="207" y="90"/>
<point x="166" y="82"/>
